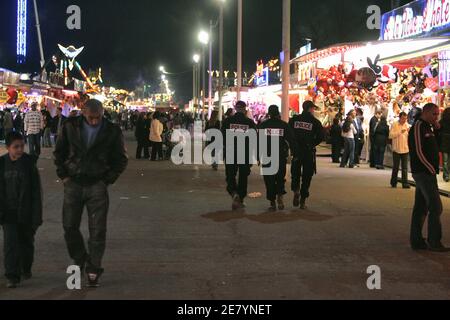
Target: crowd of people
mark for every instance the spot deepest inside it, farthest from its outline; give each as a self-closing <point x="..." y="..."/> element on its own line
<point x="349" y="135"/>
<point x="39" y="128"/>
<point x="90" y="155"/>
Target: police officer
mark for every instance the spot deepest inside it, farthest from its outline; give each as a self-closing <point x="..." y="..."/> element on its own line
<point x="308" y="132"/>
<point x="275" y="128"/>
<point x="238" y="124"/>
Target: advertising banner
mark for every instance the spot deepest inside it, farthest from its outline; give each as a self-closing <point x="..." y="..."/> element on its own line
<point x="420" y="18"/>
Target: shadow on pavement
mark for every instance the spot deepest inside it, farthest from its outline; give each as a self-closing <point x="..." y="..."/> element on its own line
<point x="268" y="217"/>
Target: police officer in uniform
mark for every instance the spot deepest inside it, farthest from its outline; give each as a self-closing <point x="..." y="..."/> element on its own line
<point x="278" y="129"/>
<point x="238" y="124"/>
<point x="308" y="132"/>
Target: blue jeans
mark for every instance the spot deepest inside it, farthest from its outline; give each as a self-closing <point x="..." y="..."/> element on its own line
<point x="446" y="164"/>
<point x="34" y="144"/>
<point x="349" y="152"/>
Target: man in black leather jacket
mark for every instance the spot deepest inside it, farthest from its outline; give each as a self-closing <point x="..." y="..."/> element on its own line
<point x="89" y="155"/>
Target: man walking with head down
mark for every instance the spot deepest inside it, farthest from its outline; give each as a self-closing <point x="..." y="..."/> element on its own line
<point x="90" y="155"/>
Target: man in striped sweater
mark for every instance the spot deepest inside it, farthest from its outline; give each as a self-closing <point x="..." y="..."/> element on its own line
<point x="424" y="154"/>
<point x="33" y="125"/>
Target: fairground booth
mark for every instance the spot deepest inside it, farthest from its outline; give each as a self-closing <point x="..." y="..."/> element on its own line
<point x="407" y="67"/>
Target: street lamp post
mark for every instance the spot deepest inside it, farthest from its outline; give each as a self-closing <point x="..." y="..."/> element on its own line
<point x="203" y="37"/>
<point x="286" y="58"/>
<point x="210" y="105"/>
<point x="196" y="59"/>
<point x="239" y="53"/>
<point x="221" y="60"/>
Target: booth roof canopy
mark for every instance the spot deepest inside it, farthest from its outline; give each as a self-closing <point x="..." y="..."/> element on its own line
<point x="389" y="51"/>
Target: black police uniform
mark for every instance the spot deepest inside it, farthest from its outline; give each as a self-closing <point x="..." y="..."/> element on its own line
<point x="277" y="128"/>
<point x="238" y="123"/>
<point x="308" y="132"/>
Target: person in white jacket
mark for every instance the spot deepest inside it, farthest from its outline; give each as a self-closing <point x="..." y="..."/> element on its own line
<point x="399" y="136"/>
<point x="156" y="131"/>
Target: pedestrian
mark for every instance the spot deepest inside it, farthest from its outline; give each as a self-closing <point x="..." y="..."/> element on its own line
<point x="336" y="141"/>
<point x="399" y="136"/>
<point x="142" y="133"/>
<point x="444" y="143"/>
<point x="380" y="140"/>
<point x="2" y="130"/>
<point x="124" y="119"/>
<point x="34" y="124"/>
<point x="424" y="156"/>
<point x="8" y="125"/>
<point x="348" y="134"/>
<point x="90" y="156"/>
<point x="57" y="123"/>
<point x="46" y="136"/>
<point x="229" y="113"/>
<point x="308" y="133"/>
<point x="18" y="123"/>
<point x="275" y="128"/>
<point x="156" y="131"/>
<point x="213" y="123"/>
<point x="20" y="209"/>
<point x="359" y="136"/>
<point x="374" y="121"/>
<point x="242" y="127"/>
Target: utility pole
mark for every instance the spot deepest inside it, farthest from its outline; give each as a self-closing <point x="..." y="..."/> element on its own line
<point x="286" y="58"/>
<point x="210" y="104"/>
<point x="239" y="53"/>
<point x="221" y="62"/>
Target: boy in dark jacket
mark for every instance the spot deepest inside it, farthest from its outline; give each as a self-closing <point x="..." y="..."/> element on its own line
<point x="20" y="209"/>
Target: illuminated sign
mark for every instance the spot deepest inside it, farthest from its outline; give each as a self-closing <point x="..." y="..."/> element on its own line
<point x="261" y="75"/>
<point x="304" y="50"/>
<point x="417" y="19"/>
<point x="444" y="69"/>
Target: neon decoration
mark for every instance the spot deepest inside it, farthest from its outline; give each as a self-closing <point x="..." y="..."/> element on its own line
<point x="21" y="31"/>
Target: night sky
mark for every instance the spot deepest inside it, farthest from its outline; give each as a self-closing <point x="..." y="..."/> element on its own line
<point x="131" y="39"/>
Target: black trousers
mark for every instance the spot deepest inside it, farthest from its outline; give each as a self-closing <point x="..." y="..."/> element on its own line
<point x="303" y="169"/>
<point x="239" y="187"/>
<point x="275" y="184"/>
<point x="157" y="151"/>
<point x="427" y="203"/>
<point x="95" y="198"/>
<point x="403" y="159"/>
<point x="359" y="144"/>
<point x="18" y="250"/>
<point x="142" y="146"/>
<point x="336" y="149"/>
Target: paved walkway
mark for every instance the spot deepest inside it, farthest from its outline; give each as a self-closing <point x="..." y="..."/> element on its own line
<point x="172" y="236"/>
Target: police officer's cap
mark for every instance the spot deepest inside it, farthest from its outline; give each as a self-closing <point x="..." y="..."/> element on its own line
<point x="274" y="111"/>
<point x="308" y="105"/>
